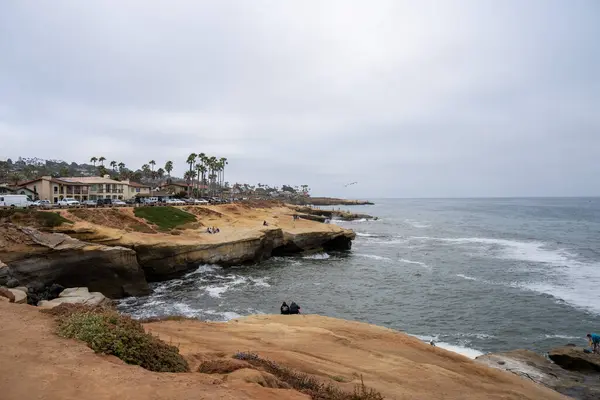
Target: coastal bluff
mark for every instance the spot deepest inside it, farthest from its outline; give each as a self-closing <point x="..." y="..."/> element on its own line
<point x="113" y="251"/>
<point x="338" y="352"/>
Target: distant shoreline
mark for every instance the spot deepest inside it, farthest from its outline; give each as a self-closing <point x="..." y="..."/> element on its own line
<point x="332" y="201"/>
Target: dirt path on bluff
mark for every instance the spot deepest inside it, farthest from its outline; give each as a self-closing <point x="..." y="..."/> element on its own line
<point x="36" y="364"/>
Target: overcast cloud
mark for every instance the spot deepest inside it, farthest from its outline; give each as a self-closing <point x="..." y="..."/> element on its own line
<point x="409" y="98"/>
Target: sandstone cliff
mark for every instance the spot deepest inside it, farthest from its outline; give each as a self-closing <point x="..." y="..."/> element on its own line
<point x="41" y="258"/>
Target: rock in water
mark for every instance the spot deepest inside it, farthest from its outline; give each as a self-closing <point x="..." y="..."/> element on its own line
<point x="534" y="367"/>
<point x="575" y="359"/>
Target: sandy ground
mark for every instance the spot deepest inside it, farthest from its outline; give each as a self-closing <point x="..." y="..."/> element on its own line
<point x="36" y="364"/>
<point x="399" y="366"/>
<point x="235" y="222"/>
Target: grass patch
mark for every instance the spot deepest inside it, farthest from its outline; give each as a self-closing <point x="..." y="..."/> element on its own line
<point x="165" y="218"/>
<point x="45" y="219"/>
<point x="108" y="332"/>
<point x="308" y="384"/>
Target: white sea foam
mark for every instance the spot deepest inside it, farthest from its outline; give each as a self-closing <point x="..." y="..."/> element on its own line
<point x="216" y="291"/>
<point x="419" y="263"/>
<point x="260" y="281"/>
<point x="319" y="256"/>
<point x="365" y="234"/>
<point x="564" y="276"/>
<point x="185" y="310"/>
<point x="469" y="278"/>
<point x="465" y="351"/>
<point x="563" y="337"/>
<point x="202" y="269"/>
<point x="374" y="257"/>
<point x="417" y="224"/>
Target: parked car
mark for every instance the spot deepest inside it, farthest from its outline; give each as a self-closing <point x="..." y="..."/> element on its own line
<point x="150" y="200"/>
<point x="42" y="204"/>
<point x="68" y="202"/>
<point x="15" y="200"/>
<point x="118" y="203"/>
<point x="89" y="203"/>
<point x="200" y="201"/>
<point x="188" y="200"/>
<point x="175" y="202"/>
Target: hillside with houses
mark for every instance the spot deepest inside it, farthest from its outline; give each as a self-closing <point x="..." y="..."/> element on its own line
<point x="54" y="180"/>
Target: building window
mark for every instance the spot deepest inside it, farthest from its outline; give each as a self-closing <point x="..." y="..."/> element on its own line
<point x="55" y="189"/>
<point x="137" y="190"/>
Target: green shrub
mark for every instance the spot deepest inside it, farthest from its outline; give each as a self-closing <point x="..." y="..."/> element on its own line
<point x="20" y="216"/>
<point x="308" y="384"/>
<point x="106" y="331"/>
<point x="165" y="218"/>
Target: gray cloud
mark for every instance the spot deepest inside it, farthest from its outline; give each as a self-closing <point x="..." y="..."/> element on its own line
<point x="457" y="98"/>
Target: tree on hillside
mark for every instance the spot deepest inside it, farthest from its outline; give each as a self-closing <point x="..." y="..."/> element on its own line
<point x="102" y="159"/>
<point x="15" y="178"/>
<point x="191" y="160"/>
<point x="189" y="177"/>
<point x="102" y="170"/>
<point x="113" y="164"/>
<point x="64" y="171"/>
<point x="160" y="173"/>
<point x="146" y="171"/>
<point x="169" y="168"/>
<point x="94" y="160"/>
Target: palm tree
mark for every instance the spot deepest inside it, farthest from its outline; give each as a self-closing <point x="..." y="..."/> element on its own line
<point x="94" y="160"/>
<point x="113" y="164"/>
<point x="169" y="168"/>
<point x="160" y="173"/>
<point x="146" y="170"/>
<point x="102" y="159"/>
<point x="188" y="176"/>
<point x="121" y="166"/>
<point x="191" y="160"/>
<point x="223" y="162"/>
<point x="202" y="169"/>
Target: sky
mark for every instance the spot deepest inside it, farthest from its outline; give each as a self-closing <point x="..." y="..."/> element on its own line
<point x="407" y="98"/>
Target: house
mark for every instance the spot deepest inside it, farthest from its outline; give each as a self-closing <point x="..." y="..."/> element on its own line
<point x="82" y="188"/>
<point x="101" y="187"/>
<point x="137" y="189"/>
<point x="174" y="187"/>
<point x="5" y="189"/>
<point x="54" y="189"/>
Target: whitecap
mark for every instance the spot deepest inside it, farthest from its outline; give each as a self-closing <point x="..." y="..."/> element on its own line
<point x="319" y="256"/>
<point x="373" y="257"/>
<point x="469" y="278"/>
<point x="465" y="351"/>
<point x="216" y="291"/>
<point x="413" y="262"/>
<point x="202" y="269"/>
<point x="260" y="281"/>
<point x="417" y="224"/>
<point x="365" y="234"/>
<point x="563" y="337"/>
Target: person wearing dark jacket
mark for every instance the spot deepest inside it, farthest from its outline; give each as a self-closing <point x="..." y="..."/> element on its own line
<point x="294" y="308"/>
<point x="285" y="310"/>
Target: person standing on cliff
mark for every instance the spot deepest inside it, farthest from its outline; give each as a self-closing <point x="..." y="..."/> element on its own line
<point x="594" y="339"/>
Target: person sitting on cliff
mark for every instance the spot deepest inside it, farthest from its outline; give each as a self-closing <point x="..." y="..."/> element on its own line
<point x="294" y="308"/>
<point x="217" y="230"/>
<point x="594" y="339"/>
<point x="265" y="223"/>
<point x="285" y="309"/>
<point x="208" y="230"/>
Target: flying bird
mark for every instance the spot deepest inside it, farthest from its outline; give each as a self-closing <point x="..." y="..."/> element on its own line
<point x="348" y="184"/>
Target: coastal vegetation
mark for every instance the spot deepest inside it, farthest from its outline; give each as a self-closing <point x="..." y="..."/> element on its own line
<point x="106" y="331"/>
<point x="40" y="219"/>
<point x="304" y="383"/>
<point x="165" y="218"/>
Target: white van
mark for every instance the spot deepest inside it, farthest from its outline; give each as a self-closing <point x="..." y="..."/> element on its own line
<point x="15" y="200"/>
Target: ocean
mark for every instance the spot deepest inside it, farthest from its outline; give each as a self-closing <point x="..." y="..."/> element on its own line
<point x="475" y="275"/>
